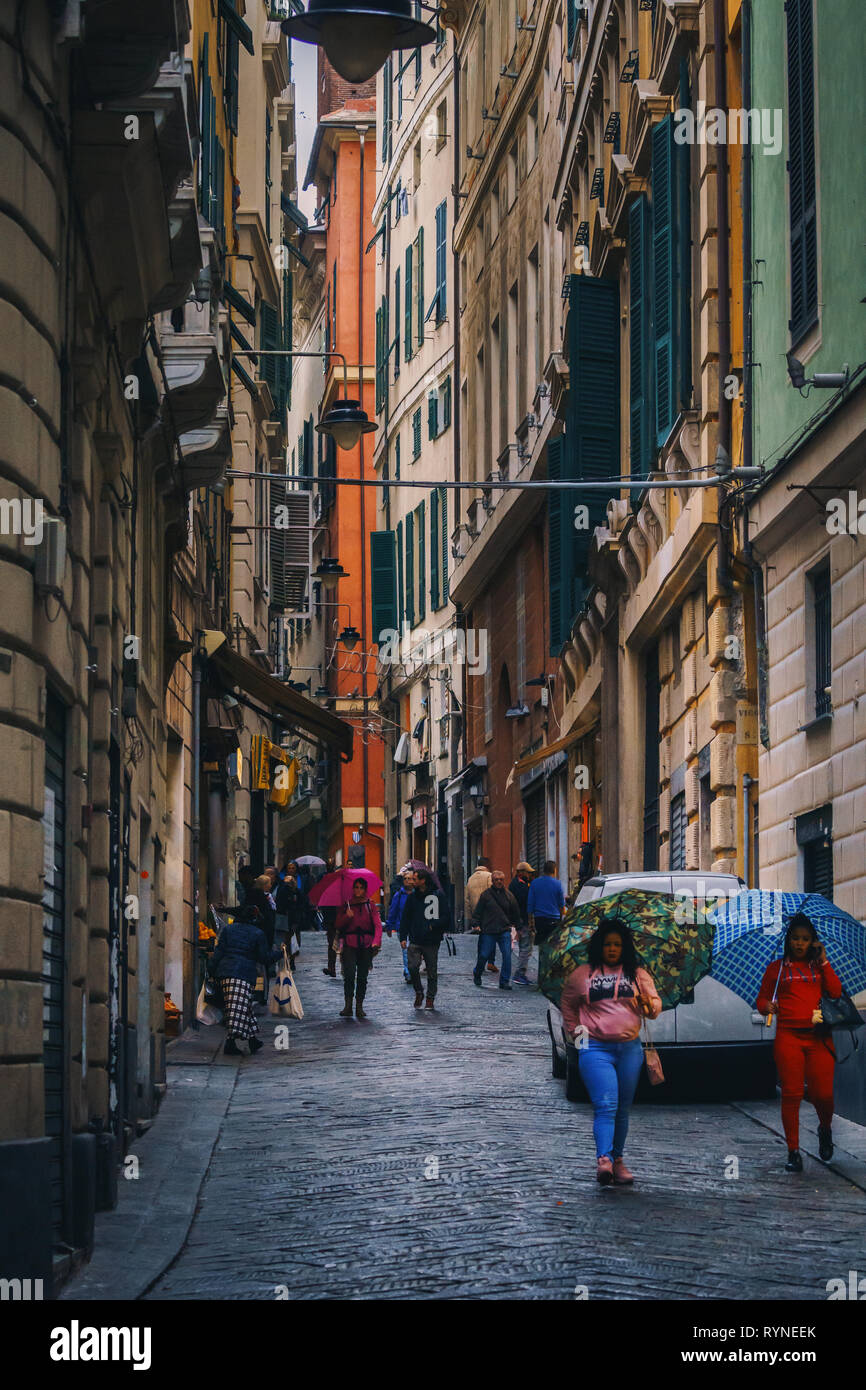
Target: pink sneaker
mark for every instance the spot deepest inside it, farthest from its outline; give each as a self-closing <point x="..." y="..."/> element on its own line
<point x="621" y="1174"/>
<point x="604" y="1172"/>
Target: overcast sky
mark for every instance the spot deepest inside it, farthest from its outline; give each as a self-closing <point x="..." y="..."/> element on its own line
<point x="304" y="56"/>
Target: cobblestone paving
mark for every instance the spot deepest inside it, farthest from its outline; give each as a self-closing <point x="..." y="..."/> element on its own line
<point x="319" y="1183"/>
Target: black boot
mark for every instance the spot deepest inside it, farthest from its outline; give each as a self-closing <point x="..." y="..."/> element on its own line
<point x="231" y="1048"/>
<point x="346" y="1011"/>
<point x="256" y="1044"/>
<point x="795" y="1162"/>
<point x="825" y="1143"/>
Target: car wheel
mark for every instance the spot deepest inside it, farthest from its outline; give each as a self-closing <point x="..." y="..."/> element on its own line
<point x="574" y="1087"/>
<point x="558" y="1066"/>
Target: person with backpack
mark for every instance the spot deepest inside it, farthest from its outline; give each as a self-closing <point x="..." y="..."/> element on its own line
<point x="426" y="919"/>
<point x="791" y="993"/>
<point x="359" y="927"/>
<point x="399" y="898"/>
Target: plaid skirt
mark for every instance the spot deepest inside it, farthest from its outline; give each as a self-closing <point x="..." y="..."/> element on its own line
<point x="240" y="1021"/>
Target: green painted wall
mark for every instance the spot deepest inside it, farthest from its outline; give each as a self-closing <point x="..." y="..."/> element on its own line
<point x="840" y="155"/>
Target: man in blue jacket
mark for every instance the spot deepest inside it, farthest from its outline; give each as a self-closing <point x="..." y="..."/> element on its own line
<point x="399" y="899"/>
<point x="546" y="902"/>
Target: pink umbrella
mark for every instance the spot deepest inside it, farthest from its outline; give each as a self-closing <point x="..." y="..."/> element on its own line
<point x="335" y="889"/>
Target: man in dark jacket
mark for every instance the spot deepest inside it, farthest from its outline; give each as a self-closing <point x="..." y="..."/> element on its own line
<point x="519" y="889"/>
<point x="426" y="918"/>
<point x="496" y="912"/>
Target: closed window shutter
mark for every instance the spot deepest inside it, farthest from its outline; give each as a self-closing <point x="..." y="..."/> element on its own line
<point x="277" y="547"/>
<point x="571" y="14"/>
<point x="269" y="338"/>
<point x="557" y="508"/>
<point x="683" y="257"/>
<point x="401" y="588"/>
<point x="441" y="261"/>
<point x="233" y="49"/>
<point x="380" y="363"/>
<point x="422" y="561"/>
<point x="446" y="403"/>
<point x="801" y="168"/>
<point x="288" y="312"/>
<point x="407" y="317"/>
<point x="639" y="336"/>
<point x="443" y="523"/>
<point x="432" y="415"/>
<point x="410" y="569"/>
<point x="420" y="301"/>
<point x="416" y="433"/>
<point x="592" y="428"/>
<point x="397" y="323"/>
<point x="205" y="119"/>
<point x="387" y="79"/>
<point x="397" y="457"/>
<point x="434" y="550"/>
<point x="663" y="275"/>
<point x="383" y="582"/>
<point x="678" y="833"/>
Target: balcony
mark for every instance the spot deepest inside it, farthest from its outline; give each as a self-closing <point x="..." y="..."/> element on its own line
<point x="171" y="102"/>
<point x="126" y="43"/>
<point x="185" y="250"/>
<point x="206" y="452"/>
<point x="193" y="369"/>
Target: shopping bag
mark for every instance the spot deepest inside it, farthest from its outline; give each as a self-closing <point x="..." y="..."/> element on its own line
<point x="654" y="1070"/>
<point x="295" y="944"/>
<point x="285" y="1000"/>
<point x="206" y="1013"/>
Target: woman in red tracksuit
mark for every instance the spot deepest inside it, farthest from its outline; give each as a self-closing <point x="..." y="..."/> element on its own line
<point x="791" y="991"/>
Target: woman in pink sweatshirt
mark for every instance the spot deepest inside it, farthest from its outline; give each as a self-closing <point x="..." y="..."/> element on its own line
<point x="603" y="1003"/>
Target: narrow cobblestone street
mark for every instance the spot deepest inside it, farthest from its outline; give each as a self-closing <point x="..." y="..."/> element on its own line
<point x="317" y="1182"/>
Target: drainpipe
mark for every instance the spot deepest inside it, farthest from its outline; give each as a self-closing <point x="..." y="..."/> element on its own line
<point x="723" y="451"/>
<point x="196" y="823"/>
<point x="747" y="782"/>
<point x="363" y="490"/>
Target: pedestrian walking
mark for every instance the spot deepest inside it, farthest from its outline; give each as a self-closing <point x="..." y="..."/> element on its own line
<point x="245" y="880"/>
<point x="359" y="928"/>
<point x="240" y="952"/>
<point x="399" y="898"/>
<point x="478" y="883"/>
<point x="546" y="902"/>
<point x="259" y="896"/>
<point x="791" y="993"/>
<point x="606" y="1000"/>
<point x="290" y="913"/>
<point x="519" y="890"/>
<point x="496" y="912"/>
<point x="426" y="918"/>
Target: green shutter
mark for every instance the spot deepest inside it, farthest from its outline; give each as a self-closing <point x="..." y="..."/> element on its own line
<point x="663" y="276"/>
<point x="432" y="415"/>
<point x="396" y="323"/>
<point x="407" y="294"/>
<point x="416" y="434"/>
<point x="233" y="77"/>
<point x="434" y="550"/>
<point x="269" y="338"/>
<point x="420" y="309"/>
<point x="801" y="168"/>
<point x="401" y="588"/>
<point x="410" y="570"/>
<point x="387" y="80"/>
<point x="443" y="524"/>
<point x="288" y="313"/>
<point x="383" y="582"/>
<point x="558" y="538"/>
<point x="397" y="458"/>
<point x="571" y="34"/>
<point x="380" y="361"/>
<point x="205" y="149"/>
<point x="639" y="336"/>
<point x="592" y="429"/>
<point x="422" y="561"/>
<point x="441" y="261"/>
<point x="446" y="403"/>
<point x="683" y="278"/>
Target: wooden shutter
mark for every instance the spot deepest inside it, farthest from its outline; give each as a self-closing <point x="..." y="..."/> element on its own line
<point x="396" y="323"/>
<point x="410" y="569"/>
<point x="639" y="336"/>
<point x="571" y="13"/>
<point x="269" y="338"/>
<point x="801" y="168"/>
<point x="232" y="51"/>
<point x="663" y="276"/>
<point x="558" y="537"/>
<point x="422" y="560"/>
<point x="441" y="261"/>
<point x="205" y="119"/>
<point x="383" y="582"/>
<point x="446" y="403"/>
<point x="407" y="317"/>
<point x="401" y="588"/>
<point x="387" y="97"/>
<point x="397" y="457"/>
<point x="380" y="360"/>
<point x="434" y="550"/>
<point x="432" y="415"/>
<point x="288" y="314"/>
<point x="420" y="272"/>
<point x="443" y="525"/>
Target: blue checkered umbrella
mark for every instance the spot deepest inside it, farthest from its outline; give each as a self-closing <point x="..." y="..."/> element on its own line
<point x="750" y="933"/>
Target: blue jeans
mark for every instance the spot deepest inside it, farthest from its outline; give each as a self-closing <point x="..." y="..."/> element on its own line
<point x="405" y="950"/>
<point x="487" y="943"/>
<point x="610" y="1071"/>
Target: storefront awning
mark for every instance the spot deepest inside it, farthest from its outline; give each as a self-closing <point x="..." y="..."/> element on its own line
<point x="541" y="754"/>
<point x="280" y="699"/>
<point x="476" y="765"/>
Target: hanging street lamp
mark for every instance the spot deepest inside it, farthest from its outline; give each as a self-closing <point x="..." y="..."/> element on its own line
<point x="345" y="422"/>
<point x="358" y="36"/>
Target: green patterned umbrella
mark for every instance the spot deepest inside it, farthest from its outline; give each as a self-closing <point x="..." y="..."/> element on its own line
<point x="672" y="937"/>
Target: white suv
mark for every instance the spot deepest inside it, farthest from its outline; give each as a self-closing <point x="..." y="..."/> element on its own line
<point x="712" y="1045"/>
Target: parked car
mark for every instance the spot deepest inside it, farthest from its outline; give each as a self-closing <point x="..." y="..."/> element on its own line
<point x="713" y="1045"/>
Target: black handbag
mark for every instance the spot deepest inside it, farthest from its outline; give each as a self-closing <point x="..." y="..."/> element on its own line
<point x="213" y="991"/>
<point x="841" y="1013"/>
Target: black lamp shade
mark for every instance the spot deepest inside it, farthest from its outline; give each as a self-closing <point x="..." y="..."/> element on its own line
<point x="357" y="37"/>
<point x="345" y="422"/>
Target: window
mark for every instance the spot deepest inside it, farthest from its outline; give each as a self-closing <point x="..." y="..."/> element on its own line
<point x="383" y="581"/>
<point x="387" y="98"/>
<point x="822" y="651"/>
<point x="678" y="832"/>
<point x="439" y="302"/>
<point x="512" y="350"/>
<point x="532" y="135"/>
<point x="268" y="179"/>
<point x="408" y="283"/>
<point x="396" y="323"/>
<point x="401" y="590"/>
<point x="494" y="215"/>
<point x="409" y="589"/>
<point x="801" y="169"/>
<point x="815" y="841"/>
<point x="671" y="273"/>
<point x="445" y="394"/>
<point x="418" y="285"/>
<point x="438" y="548"/>
<point x="433" y="415"/>
<point x="651" y="760"/>
<point x="532" y="307"/>
<point x="382" y="331"/>
<point x="496" y="405"/>
<point x="421" y="568"/>
<point x="441" y="123"/>
<point x="488" y="685"/>
<point x="416" y="167"/>
<point x="416" y="434"/>
<point x="512" y="174"/>
<point x="639" y="335"/>
<point x="397" y="456"/>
